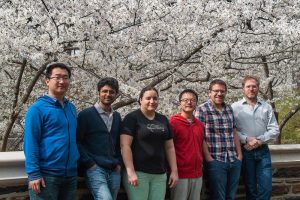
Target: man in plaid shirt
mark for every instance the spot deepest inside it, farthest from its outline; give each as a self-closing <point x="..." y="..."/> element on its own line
<point x="222" y="149"/>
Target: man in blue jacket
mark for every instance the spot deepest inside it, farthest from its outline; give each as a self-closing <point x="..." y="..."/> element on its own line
<point x="98" y="138"/>
<point x="50" y="140"/>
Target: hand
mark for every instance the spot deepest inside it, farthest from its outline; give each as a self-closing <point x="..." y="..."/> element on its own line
<point x="93" y="167"/>
<point x="35" y="185"/>
<point x="252" y="143"/>
<point x="209" y="159"/>
<point x="132" y="179"/>
<point x="240" y="157"/>
<point x="118" y="168"/>
<point x="173" y="179"/>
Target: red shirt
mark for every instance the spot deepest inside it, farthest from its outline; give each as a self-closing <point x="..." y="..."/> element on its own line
<point x="188" y="139"/>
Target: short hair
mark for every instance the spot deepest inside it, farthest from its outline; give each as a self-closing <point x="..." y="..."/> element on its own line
<point x="54" y="65"/>
<point x="145" y="89"/>
<point x="112" y="82"/>
<point x="249" y="77"/>
<point x="188" y="91"/>
<point x="215" y="82"/>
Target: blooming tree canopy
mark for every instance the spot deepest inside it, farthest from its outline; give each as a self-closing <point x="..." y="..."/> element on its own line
<point x="168" y="44"/>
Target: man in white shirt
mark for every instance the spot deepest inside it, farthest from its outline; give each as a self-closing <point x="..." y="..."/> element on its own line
<point x="256" y="125"/>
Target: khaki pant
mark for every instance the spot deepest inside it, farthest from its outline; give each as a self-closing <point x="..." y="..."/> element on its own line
<point x="187" y="189"/>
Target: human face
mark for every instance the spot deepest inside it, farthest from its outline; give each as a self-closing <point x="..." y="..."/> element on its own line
<point x="58" y="83"/>
<point x="188" y="103"/>
<point x="217" y="95"/>
<point x="107" y="95"/>
<point x="149" y="101"/>
<point x="251" y="89"/>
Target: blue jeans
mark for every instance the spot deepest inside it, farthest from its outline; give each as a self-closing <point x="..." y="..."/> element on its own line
<point x="223" y="179"/>
<point x="57" y="188"/>
<point x="104" y="184"/>
<point x="258" y="173"/>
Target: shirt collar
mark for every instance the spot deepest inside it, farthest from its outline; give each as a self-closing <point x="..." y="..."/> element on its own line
<point x="258" y="101"/>
<point x="55" y="99"/>
<point x="100" y="110"/>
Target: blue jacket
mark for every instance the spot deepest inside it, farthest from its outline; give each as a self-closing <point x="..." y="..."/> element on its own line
<point x="50" y="139"/>
<point x="95" y="143"/>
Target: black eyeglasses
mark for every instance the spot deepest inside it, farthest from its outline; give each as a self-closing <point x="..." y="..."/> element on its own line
<point x="189" y="100"/>
<point x="58" y="78"/>
<point x="219" y="91"/>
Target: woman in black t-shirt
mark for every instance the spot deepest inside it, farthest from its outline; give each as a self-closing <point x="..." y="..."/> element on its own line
<point x="146" y="143"/>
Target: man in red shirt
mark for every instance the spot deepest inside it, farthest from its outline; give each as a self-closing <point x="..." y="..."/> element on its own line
<point x="188" y="134"/>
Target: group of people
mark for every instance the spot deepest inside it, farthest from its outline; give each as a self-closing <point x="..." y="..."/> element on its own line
<point x="145" y="150"/>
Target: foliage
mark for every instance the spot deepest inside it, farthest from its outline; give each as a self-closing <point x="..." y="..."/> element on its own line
<point x="291" y="131"/>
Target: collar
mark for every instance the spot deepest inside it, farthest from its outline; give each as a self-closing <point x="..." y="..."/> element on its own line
<point x="101" y="111"/>
<point x="258" y="101"/>
<point x="55" y="99"/>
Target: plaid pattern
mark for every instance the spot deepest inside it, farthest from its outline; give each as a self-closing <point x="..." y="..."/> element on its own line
<point x="218" y="131"/>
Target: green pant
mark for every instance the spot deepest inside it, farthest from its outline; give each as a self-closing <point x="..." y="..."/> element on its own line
<point x="150" y="186"/>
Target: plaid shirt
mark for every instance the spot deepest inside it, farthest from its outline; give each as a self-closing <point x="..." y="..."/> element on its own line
<point x="218" y="131"/>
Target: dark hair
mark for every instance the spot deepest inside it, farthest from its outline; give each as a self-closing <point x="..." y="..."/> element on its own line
<point x="112" y="82"/>
<point x="215" y="82"/>
<point x="188" y="91"/>
<point x="52" y="66"/>
<point x="246" y="78"/>
<point x="145" y="89"/>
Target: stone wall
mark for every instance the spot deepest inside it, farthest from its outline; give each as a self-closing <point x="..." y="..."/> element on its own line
<point x="286" y="186"/>
<point x="285" y="161"/>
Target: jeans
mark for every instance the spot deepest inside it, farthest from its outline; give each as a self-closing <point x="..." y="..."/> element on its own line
<point x="150" y="186"/>
<point x="258" y="173"/>
<point x="223" y="179"/>
<point x="57" y="188"/>
<point x="104" y="184"/>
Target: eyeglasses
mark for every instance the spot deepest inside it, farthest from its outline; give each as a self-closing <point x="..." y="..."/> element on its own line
<point x="57" y="78"/>
<point x="189" y="100"/>
<point x="219" y="91"/>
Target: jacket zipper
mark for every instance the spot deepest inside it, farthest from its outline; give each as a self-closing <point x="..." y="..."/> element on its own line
<point x="68" y="155"/>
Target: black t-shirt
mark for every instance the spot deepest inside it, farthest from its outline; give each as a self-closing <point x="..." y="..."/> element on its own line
<point x="149" y="137"/>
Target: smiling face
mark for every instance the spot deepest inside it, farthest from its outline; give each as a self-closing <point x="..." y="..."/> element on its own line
<point x="107" y="95"/>
<point x="251" y="89"/>
<point x="188" y="102"/>
<point x="149" y="101"/>
<point x="58" y="83"/>
<point x="217" y="95"/>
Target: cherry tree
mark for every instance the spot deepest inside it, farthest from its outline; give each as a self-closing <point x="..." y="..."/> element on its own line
<point x="167" y="44"/>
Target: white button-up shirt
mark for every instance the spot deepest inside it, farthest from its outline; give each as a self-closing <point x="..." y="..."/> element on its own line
<point x="258" y="121"/>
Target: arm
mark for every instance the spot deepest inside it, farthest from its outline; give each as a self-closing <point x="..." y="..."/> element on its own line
<point x="81" y="131"/>
<point x="206" y="152"/>
<point x="272" y="127"/>
<point x="171" y="157"/>
<point x="126" y="141"/>
<point x="32" y="137"/>
<point x="118" y="149"/>
<point x="243" y="137"/>
<point x="237" y="144"/>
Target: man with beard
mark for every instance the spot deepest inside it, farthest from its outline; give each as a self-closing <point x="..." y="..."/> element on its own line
<point x="256" y="125"/>
<point x="98" y="138"/>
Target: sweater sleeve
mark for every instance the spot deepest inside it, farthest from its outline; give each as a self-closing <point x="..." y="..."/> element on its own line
<point x="32" y="137"/>
<point x="85" y="159"/>
<point x="118" y="148"/>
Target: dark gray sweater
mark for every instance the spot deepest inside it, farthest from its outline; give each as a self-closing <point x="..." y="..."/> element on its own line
<point x="96" y="144"/>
